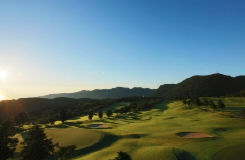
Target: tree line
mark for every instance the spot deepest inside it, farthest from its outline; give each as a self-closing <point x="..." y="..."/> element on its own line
<point x="50" y="115"/>
<point x="141" y="105"/>
<point x="197" y="102"/>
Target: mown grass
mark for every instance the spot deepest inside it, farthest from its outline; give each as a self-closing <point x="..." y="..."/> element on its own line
<point x="152" y="134"/>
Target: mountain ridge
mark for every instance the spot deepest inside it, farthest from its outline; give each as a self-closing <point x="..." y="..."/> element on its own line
<point x="204" y="85"/>
<point x="113" y="93"/>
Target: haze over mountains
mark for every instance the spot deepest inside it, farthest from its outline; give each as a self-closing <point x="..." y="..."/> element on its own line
<point x="114" y="93"/>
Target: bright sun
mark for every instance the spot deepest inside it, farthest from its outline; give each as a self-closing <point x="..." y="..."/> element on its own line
<point x="1" y="97"/>
<point x="3" y="74"/>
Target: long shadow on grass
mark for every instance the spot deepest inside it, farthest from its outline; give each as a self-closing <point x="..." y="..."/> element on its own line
<point x="183" y="155"/>
<point x="105" y="142"/>
<point x="162" y="106"/>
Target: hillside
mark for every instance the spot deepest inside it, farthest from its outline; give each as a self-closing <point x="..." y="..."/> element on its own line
<point x="162" y="90"/>
<point x="214" y="85"/>
<point x="12" y="107"/>
<point x="113" y="93"/>
<point x="237" y="94"/>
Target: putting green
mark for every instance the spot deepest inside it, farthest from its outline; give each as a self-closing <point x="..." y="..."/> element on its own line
<point x="73" y="136"/>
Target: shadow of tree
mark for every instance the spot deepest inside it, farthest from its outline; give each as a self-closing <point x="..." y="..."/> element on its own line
<point x="184" y="155"/>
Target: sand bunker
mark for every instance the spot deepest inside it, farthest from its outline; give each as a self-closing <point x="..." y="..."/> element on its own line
<point x="193" y="135"/>
<point x="98" y="126"/>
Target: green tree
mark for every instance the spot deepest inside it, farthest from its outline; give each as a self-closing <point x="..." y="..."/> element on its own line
<point x="90" y="116"/>
<point x="205" y="102"/>
<point x="63" y="115"/>
<point x="100" y="114"/>
<point x="123" y="156"/>
<point x="184" y="101"/>
<point x="36" y="145"/>
<point x="212" y="105"/>
<point x="64" y="151"/>
<point x="116" y="111"/>
<point x="188" y="102"/>
<point x="7" y="143"/>
<point x="109" y="113"/>
<point x="220" y="105"/>
<point x="21" y="118"/>
<point x="195" y="101"/>
<point x="52" y="120"/>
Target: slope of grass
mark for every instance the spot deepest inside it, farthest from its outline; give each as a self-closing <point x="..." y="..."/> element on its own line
<point x="155" y="138"/>
<point x="152" y="134"/>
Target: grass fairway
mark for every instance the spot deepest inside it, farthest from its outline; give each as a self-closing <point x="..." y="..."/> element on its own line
<point x="69" y="136"/>
<point x="153" y="134"/>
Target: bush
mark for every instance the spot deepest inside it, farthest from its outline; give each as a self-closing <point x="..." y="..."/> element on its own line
<point x="123" y="156"/>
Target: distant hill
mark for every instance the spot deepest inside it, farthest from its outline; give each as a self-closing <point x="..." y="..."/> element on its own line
<point x="207" y="86"/>
<point x="10" y="108"/>
<point x="114" y="93"/>
<point x="162" y="90"/>
<point x="237" y="94"/>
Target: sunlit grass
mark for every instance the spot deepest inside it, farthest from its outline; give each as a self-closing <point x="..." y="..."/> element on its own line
<point x="152" y="134"/>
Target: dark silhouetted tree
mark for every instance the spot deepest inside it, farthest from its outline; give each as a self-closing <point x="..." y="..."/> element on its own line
<point x="212" y="105"/>
<point x="109" y="113"/>
<point x="195" y="101"/>
<point x="36" y="145"/>
<point x="188" y="102"/>
<point x="116" y="111"/>
<point x="64" y="151"/>
<point x="184" y="101"/>
<point x="21" y="118"/>
<point x="63" y="115"/>
<point x="52" y="120"/>
<point x="205" y="102"/>
<point x="123" y="156"/>
<point x="220" y="105"/>
<point x="100" y="114"/>
<point x="90" y="116"/>
<point x="7" y="143"/>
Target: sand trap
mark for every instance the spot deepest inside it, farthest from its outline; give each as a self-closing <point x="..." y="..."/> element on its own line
<point x="98" y="126"/>
<point x="193" y="135"/>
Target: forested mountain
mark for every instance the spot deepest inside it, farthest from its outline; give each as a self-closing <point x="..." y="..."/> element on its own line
<point x="207" y="86"/>
<point x="13" y="107"/>
<point x="162" y="89"/>
<point x="237" y="94"/>
<point x="113" y="93"/>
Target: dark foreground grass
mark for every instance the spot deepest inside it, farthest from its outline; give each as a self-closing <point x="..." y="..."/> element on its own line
<point x="231" y="153"/>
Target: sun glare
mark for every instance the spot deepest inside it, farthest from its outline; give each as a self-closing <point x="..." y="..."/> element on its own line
<point x="2" y="97"/>
<point x="3" y="74"/>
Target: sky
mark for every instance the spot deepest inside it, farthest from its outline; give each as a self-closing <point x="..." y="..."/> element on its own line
<point x="63" y="46"/>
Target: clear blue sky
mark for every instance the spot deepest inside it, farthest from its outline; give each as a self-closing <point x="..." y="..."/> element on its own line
<point x="66" y="46"/>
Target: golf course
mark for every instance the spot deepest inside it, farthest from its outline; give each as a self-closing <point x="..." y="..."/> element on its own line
<point x="169" y="131"/>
